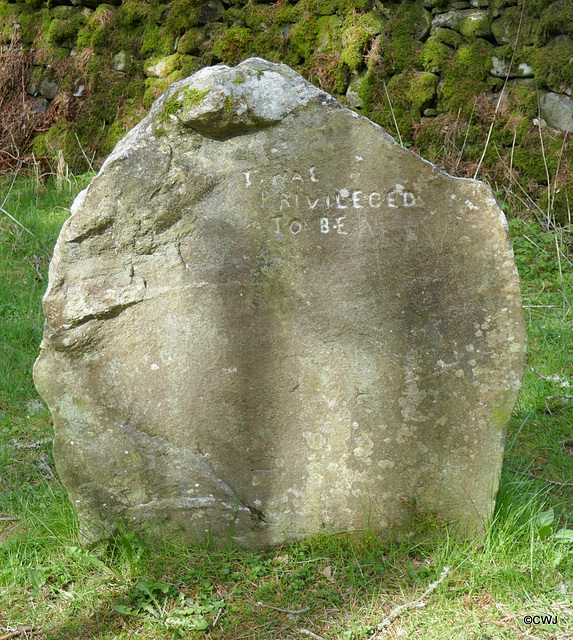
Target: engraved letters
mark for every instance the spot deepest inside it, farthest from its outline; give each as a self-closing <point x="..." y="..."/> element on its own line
<point x="298" y="202"/>
<point x="326" y="226"/>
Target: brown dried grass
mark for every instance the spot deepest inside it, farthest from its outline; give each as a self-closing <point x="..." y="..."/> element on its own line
<point x="18" y="123"/>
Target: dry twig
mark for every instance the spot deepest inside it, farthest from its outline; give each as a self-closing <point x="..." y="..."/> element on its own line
<point x="555" y="482"/>
<point x="418" y="602"/>
<point x="307" y="632"/>
<point x="290" y="611"/>
<point x="535" y="370"/>
<point x="16" y="632"/>
<point x="20" y="225"/>
<point x="37" y="267"/>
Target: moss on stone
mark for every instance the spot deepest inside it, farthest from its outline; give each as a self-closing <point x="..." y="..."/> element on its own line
<point x="186" y="97"/>
<point x="400" y="45"/>
<point x="234" y="45"/>
<point x="437" y="4"/>
<point x="536" y="8"/>
<point x="30" y="22"/>
<point x="183" y="98"/>
<point x="514" y="27"/>
<point x="523" y="98"/>
<point x="557" y="19"/>
<point x="108" y="90"/>
<point x="328" y="37"/>
<point x="464" y="77"/>
<point x="552" y="64"/>
<point x="56" y="31"/>
<point x="472" y="27"/>
<point x="100" y="38"/>
<point x="151" y="39"/>
<point x="191" y="42"/>
<point x="302" y="38"/>
<point x="496" y="6"/>
<point x="64" y="31"/>
<point x="114" y="134"/>
<point x="434" y="55"/>
<point x="183" y="14"/>
<point x="355" y="41"/>
<point x="102" y="15"/>
<point x="331" y="41"/>
<point x="132" y="12"/>
<point x="398" y="110"/>
<point x="357" y="33"/>
<point x="285" y="14"/>
<point x="351" y="6"/>
<point x="362" y="90"/>
<point x="422" y="92"/>
<point x="448" y="37"/>
<point x="257" y="17"/>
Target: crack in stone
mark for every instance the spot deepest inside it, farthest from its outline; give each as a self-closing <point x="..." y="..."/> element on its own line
<point x="108" y="314"/>
<point x="256" y="514"/>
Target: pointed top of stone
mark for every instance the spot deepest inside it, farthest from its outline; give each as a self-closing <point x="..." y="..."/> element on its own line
<point x="221" y="100"/>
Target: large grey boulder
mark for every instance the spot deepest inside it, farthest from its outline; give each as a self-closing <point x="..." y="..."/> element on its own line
<point x="265" y="319"/>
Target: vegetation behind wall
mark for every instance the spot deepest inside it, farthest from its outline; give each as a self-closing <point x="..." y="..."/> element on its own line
<point x="478" y="86"/>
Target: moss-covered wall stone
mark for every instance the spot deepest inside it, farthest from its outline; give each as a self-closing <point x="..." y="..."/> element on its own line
<point x="402" y="63"/>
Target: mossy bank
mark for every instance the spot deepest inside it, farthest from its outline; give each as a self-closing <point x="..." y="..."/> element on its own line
<point x="487" y="82"/>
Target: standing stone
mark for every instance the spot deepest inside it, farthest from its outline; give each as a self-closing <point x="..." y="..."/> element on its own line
<point x="265" y="319"/>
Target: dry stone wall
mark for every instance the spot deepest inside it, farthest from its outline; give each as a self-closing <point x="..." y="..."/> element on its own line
<point x="429" y="71"/>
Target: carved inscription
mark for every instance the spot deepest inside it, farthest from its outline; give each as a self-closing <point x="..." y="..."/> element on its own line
<point x="296" y="201"/>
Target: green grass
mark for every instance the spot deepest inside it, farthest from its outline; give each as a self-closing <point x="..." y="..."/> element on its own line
<point x="330" y="586"/>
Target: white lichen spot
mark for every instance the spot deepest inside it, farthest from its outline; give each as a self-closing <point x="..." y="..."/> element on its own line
<point x="359" y="158"/>
<point x="314" y="440"/>
<point x="471" y="206"/>
<point x="364" y="448"/>
<point x="154" y="366"/>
